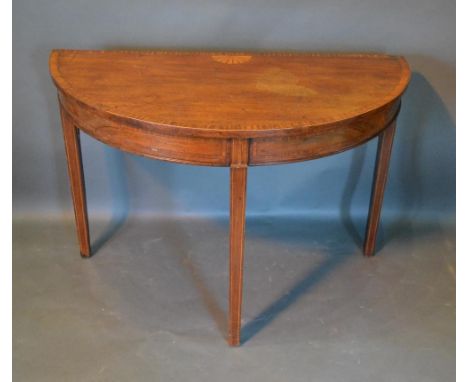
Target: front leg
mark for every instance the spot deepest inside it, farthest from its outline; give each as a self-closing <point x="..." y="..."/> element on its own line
<point x="382" y="164"/>
<point x="237" y="233"/>
<point x="77" y="185"/>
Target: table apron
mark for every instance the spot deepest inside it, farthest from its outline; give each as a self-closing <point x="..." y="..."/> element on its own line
<point x="216" y="151"/>
<point x="323" y="141"/>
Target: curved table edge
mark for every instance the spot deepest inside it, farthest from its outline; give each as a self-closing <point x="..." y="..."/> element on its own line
<point x="60" y="83"/>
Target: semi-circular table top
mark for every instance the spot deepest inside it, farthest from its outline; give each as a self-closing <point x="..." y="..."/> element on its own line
<point x="329" y="102"/>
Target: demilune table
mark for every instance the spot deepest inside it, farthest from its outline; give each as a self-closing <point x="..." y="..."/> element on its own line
<point x="228" y="109"/>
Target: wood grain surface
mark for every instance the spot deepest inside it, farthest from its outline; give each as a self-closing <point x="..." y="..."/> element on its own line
<point x="229" y="94"/>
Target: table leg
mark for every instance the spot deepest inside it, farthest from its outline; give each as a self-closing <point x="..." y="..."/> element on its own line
<point x="75" y="171"/>
<point x="237" y="230"/>
<point x="378" y="188"/>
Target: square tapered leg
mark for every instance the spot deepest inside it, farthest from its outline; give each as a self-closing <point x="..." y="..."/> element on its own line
<point x="237" y="233"/>
<point x="75" y="171"/>
<point x="382" y="164"/>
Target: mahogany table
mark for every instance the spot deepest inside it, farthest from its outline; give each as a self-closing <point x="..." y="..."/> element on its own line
<point x="228" y="109"/>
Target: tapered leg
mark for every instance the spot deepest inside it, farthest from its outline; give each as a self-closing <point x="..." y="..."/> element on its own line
<point x="237" y="230"/>
<point x="75" y="171"/>
<point x="380" y="178"/>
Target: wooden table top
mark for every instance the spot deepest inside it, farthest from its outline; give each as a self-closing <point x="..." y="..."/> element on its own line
<point x="229" y="94"/>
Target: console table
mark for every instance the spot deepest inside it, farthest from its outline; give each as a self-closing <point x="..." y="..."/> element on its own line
<point x="228" y="109"/>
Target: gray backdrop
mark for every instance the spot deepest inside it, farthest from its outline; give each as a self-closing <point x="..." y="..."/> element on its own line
<point x="422" y="178"/>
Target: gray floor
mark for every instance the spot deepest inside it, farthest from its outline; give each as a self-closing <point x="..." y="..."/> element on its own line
<point x="151" y="305"/>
